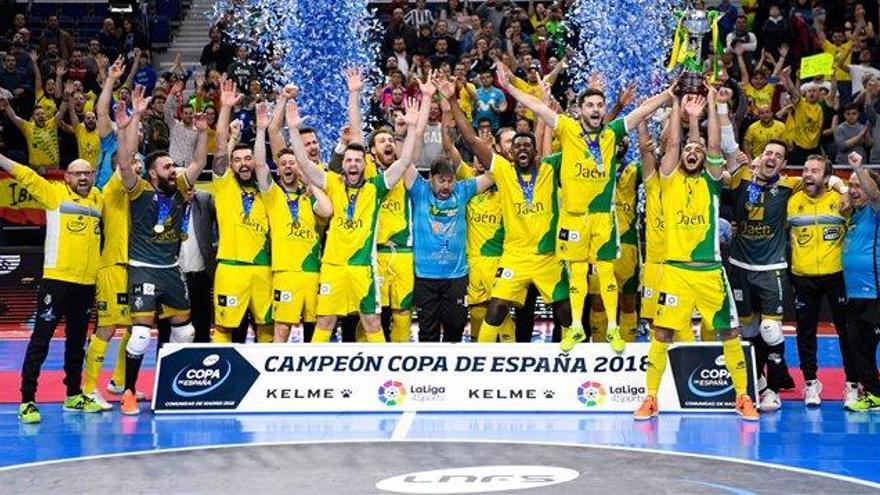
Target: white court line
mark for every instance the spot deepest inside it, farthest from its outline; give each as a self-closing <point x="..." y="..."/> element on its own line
<point x="750" y="462"/>
<point x="403" y="426"/>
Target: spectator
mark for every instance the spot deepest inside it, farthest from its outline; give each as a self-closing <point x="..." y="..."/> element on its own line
<point x="858" y="26"/>
<point x="16" y="81"/>
<point x="763" y="131"/>
<point x="109" y="40"/>
<point x="858" y="72"/>
<point x="18" y="22"/>
<point x="871" y="91"/>
<point x="398" y="28"/>
<point x="776" y="31"/>
<point x="492" y="11"/>
<point x="470" y="30"/>
<point x="41" y="133"/>
<point x="54" y="34"/>
<point x="742" y="35"/>
<point x="76" y="67"/>
<point x="145" y="75"/>
<point x="805" y="123"/>
<point x="441" y="54"/>
<point x="85" y="132"/>
<point x="216" y="54"/>
<point x="132" y="37"/>
<point x="432" y="141"/>
<point x="454" y="13"/>
<point x="183" y="134"/>
<point x="419" y="16"/>
<point x="156" y="130"/>
<point x="851" y="136"/>
<point x="401" y="55"/>
<point x="441" y="31"/>
<point x="491" y="102"/>
<point x="241" y="71"/>
<point x="729" y="18"/>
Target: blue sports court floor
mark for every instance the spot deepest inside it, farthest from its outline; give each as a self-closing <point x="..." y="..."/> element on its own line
<point x="801" y="442"/>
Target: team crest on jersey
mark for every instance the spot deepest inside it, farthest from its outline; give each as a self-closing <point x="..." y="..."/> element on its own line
<point x="148" y="289"/>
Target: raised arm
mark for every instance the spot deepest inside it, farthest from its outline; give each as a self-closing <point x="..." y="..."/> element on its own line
<point x="312" y="172"/>
<point x="175" y="92"/>
<point x="413" y="118"/>
<point x="868" y="185"/>
<point x="200" y="156"/>
<point x="128" y="138"/>
<point x="624" y="98"/>
<point x="481" y="150"/>
<point x="65" y="102"/>
<point x="10" y="114"/>
<point x="355" y="82"/>
<point x="672" y="153"/>
<point x="102" y="108"/>
<point x="649" y="106"/>
<point x="793" y="90"/>
<point x="38" y="78"/>
<point x="229" y="97"/>
<point x="743" y="67"/>
<point x="530" y="102"/>
<point x="322" y="207"/>
<point x="262" y="168"/>
<point x="714" y="158"/>
<point x="276" y="139"/>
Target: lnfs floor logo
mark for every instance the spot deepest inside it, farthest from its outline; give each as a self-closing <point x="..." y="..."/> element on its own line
<point x="591" y="394"/>
<point x="392" y="393"/>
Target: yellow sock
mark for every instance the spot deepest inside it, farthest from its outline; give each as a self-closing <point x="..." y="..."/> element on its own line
<point x="375" y="337"/>
<point x="489" y="333"/>
<point x="221" y="337"/>
<point x="735" y="360"/>
<point x="598" y="326"/>
<point x="478" y="314"/>
<point x="578" y="273"/>
<point x="629" y="323"/>
<point x="707" y="334"/>
<point x="119" y="366"/>
<point x="507" y="331"/>
<point x="265" y="334"/>
<point x="401" y="326"/>
<point x="608" y="290"/>
<point x="656" y="365"/>
<point x="94" y="360"/>
<point x="321" y="336"/>
<point x="360" y="335"/>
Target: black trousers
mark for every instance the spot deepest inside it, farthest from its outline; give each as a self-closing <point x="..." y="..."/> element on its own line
<point x="199" y="285"/>
<point x="440" y="302"/>
<point x="863" y="336"/>
<point x="809" y="292"/>
<point x="524" y="318"/>
<point x="54" y="300"/>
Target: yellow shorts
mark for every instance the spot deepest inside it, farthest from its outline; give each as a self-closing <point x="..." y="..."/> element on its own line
<point x="295" y="297"/>
<point x="481" y="278"/>
<point x="345" y="289"/>
<point x="516" y="272"/>
<point x="397" y="275"/>
<point x="112" y="297"/>
<point x="592" y="237"/>
<point x="651" y="276"/>
<point x="626" y="269"/>
<point x="241" y="287"/>
<point x="705" y="288"/>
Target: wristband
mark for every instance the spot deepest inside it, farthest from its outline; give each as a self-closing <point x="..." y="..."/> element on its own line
<point x="721" y="108"/>
<point x="715" y="160"/>
<point x="340" y="148"/>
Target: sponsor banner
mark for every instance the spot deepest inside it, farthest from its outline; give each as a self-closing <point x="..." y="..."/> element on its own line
<point x="16" y="203"/>
<point x="701" y="377"/>
<point x="415" y="377"/>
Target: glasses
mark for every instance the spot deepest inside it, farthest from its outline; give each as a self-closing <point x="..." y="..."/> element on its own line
<point x="83" y="173"/>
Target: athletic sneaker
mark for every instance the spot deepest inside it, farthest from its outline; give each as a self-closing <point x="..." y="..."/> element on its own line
<point x="99" y="399"/>
<point x="647" y="410"/>
<point x="28" y="413"/>
<point x="811" y="393"/>
<point x="115" y="389"/>
<point x="128" y="405"/>
<point x="867" y="402"/>
<point x="850" y="394"/>
<point x="571" y="337"/>
<point x="81" y="403"/>
<point x="746" y="408"/>
<point x="617" y="343"/>
<point x="770" y="401"/>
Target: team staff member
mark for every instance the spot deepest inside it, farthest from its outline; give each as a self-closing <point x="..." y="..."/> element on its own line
<point x="156" y="286"/>
<point x="70" y="266"/>
<point x="817" y="228"/>
<point x="347" y="282"/>
<point x="243" y="279"/>
<point x="588" y="231"/>
<point x="439" y="213"/>
<point x="294" y="227"/>
<point x="861" y="271"/>
<point x="693" y="276"/>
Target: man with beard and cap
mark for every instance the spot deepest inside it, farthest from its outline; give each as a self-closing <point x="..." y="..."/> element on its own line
<point x="758" y="260"/>
<point x="693" y="276"/>
<point x="348" y="282"/>
<point x="156" y="286"/>
<point x="626" y="267"/>
<point x="860" y="272"/>
<point x="296" y="214"/>
<point x="816" y="228"/>
<point x="73" y="242"/>
<point x="587" y="230"/>
<point x="243" y="279"/>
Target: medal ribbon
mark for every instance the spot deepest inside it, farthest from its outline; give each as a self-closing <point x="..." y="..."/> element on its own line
<point x="184" y="221"/>
<point x="352" y="203"/>
<point x="528" y="190"/>
<point x="164" y="204"/>
<point x="595" y="152"/>
<point x="247" y="202"/>
<point x="293" y="206"/>
<point x="756" y="190"/>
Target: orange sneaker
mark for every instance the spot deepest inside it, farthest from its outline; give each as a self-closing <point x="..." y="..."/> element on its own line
<point x="129" y="405"/>
<point x="647" y="410"/>
<point x="746" y="408"/>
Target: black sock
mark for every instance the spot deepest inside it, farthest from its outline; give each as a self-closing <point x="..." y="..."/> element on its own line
<point x="132" y="368"/>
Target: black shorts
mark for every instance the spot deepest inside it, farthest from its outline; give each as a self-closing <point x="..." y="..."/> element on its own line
<point x="758" y="291"/>
<point x="152" y="290"/>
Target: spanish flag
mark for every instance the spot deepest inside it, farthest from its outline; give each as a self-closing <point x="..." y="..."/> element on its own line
<point x="16" y="203"/>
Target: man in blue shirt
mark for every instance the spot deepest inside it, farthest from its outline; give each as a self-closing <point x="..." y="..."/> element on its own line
<point x="439" y="237"/>
<point x="861" y="274"/>
<point x="490" y="103"/>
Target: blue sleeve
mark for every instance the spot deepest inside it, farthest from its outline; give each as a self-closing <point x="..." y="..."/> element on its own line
<point x="105" y="165"/>
<point x="417" y="191"/>
<point x="466" y="189"/>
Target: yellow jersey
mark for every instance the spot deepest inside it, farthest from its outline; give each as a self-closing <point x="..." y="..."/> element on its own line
<point x="817" y="228"/>
<point x="758" y="135"/>
<point x="690" y="214"/>
<point x="42" y="143"/>
<point x="351" y="237"/>
<point x="804" y="125"/>
<point x="625" y="201"/>
<point x="244" y="235"/>
<point x="531" y="89"/>
<point x="485" y="230"/>
<point x="47" y="103"/>
<point x="589" y="165"/>
<point x="529" y="219"/>
<point x="296" y="240"/>
<point x="116" y="216"/>
<point x="465" y="101"/>
<point x="655" y="224"/>
<point x="761" y="97"/>
<point x="88" y="143"/>
<point x="394" y="219"/>
<point x="837" y="52"/>
<point x="73" y="227"/>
